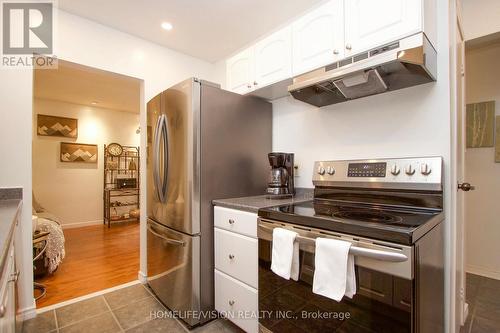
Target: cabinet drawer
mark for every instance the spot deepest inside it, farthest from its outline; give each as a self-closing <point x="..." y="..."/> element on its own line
<point x="238" y="301"/>
<point x="236" y="255"/>
<point x="236" y="220"/>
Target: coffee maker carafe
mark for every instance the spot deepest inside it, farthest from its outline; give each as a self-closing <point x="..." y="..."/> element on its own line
<point x="280" y="183"/>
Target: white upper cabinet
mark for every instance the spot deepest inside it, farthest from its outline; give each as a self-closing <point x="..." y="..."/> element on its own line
<point x="336" y="30"/>
<point x="370" y="23"/>
<point x="318" y="37"/>
<point x="273" y="58"/>
<point x="240" y="72"/>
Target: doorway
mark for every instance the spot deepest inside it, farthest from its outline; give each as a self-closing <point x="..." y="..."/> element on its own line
<point x="482" y="165"/>
<point x="85" y="194"/>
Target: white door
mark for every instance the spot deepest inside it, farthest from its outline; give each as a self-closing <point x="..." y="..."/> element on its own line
<point x="318" y="37"/>
<point x="460" y="305"/>
<point x="240" y="72"/>
<point x="273" y="58"/>
<point x="371" y="23"/>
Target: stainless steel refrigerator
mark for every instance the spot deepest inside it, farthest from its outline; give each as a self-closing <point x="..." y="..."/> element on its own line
<point x="204" y="143"/>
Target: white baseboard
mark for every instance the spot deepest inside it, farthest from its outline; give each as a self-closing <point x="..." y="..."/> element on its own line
<point x="81" y="224"/>
<point x="27" y="313"/>
<point x="483" y="271"/>
<point x="84" y="297"/>
<point x="143" y="278"/>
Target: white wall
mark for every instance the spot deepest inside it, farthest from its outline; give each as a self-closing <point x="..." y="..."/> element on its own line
<point x="91" y="44"/>
<point x="480" y="17"/>
<point x="482" y="208"/>
<point x="73" y="192"/>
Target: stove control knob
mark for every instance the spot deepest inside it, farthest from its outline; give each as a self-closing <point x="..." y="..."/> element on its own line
<point x="395" y="170"/>
<point x="321" y="170"/>
<point x="425" y="169"/>
<point x="330" y="170"/>
<point x="410" y="170"/>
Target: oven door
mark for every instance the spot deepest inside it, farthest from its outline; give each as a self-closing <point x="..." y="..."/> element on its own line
<point x="383" y="302"/>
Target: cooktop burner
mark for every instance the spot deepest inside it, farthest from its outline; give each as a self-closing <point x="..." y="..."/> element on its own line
<point x="368" y="216"/>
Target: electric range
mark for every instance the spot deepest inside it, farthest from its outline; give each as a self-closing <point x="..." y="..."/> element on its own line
<point x="391" y="211"/>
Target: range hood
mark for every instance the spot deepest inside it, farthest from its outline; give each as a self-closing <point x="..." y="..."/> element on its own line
<point x="405" y="63"/>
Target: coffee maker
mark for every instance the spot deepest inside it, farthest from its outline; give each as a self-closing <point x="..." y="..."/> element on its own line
<point x="280" y="183"/>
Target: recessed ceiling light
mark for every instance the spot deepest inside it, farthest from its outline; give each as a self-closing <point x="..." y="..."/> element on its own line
<point x="94" y="102"/>
<point x="167" y="26"/>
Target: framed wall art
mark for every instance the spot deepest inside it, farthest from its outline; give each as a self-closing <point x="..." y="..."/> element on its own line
<point x="78" y="152"/>
<point x="480" y="123"/>
<point x="57" y="126"/>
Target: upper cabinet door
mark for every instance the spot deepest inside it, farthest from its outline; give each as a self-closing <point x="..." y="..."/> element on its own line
<point x="371" y="23"/>
<point x="273" y="58"/>
<point x="240" y="72"/>
<point x="318" y="37"/>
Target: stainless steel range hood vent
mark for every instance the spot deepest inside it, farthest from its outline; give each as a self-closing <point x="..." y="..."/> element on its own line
<point x="405" y="63"/>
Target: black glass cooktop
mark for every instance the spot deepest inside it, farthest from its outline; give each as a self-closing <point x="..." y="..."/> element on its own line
<point x="400" y="225"/>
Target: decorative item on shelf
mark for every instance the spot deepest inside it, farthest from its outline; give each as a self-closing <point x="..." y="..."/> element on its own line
<point x="57" y="126"/>
<point x="126" y="216"/>
<point x="78" y="152"/>
<point x="480" y="124"/>
<point x="115" y="216"/>
<point x="111" y="165"/>
<point x="132" y="166"/>
<point x="135" y="213"/>
<point x="126" y="183"/>
<point x="115" y="149"/>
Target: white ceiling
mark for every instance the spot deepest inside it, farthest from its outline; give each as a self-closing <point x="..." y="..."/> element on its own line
<point x="83" y="85"/>
<point x="206" y="29"/>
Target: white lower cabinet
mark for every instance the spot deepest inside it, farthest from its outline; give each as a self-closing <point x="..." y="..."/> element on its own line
<point x="237" y="267"/>
<point x="7" y="295"/>
<point x="238" y="301"/>
<point x="237" y="256"/>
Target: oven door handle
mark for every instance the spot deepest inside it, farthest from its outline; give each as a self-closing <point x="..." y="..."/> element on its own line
<point x="354" y="250"/>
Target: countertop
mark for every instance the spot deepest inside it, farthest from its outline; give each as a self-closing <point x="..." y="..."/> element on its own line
<point x="9" y="209"/>
<point x="254" y="203"/>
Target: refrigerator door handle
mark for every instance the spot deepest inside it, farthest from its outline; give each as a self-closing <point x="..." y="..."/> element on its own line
<point x="166" y="157"/>
<point x="156" y="158"/>
<point x="168" y="240"/>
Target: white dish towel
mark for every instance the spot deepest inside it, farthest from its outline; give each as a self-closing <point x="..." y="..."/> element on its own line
<point x="334" y="274"/>
<point x="285" y="254"/>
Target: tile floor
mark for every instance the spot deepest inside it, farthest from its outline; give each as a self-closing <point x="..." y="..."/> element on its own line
<point x="483" y="297"/>
<point x="128" y="310"/>
<point x="125" y="310"/>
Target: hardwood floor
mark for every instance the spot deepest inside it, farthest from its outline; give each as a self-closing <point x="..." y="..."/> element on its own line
<point x="96" y="258"/>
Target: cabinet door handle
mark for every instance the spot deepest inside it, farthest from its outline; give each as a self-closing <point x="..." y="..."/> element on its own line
<point x="231" y="256"/>
<point x="3" y="310"/>
<point x="231" y="221"/>
<point x="402" y="302"/>
<point x="231" y="303"/>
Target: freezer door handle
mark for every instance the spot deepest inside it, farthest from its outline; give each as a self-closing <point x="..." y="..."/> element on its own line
<point x="161" y="141"/>
<point x="168" y="240"/>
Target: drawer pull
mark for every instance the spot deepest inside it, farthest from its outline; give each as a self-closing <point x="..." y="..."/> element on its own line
<point x="231" y="303"/>
<point x="231" y="221"/>
<point x="231" y="256"/>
